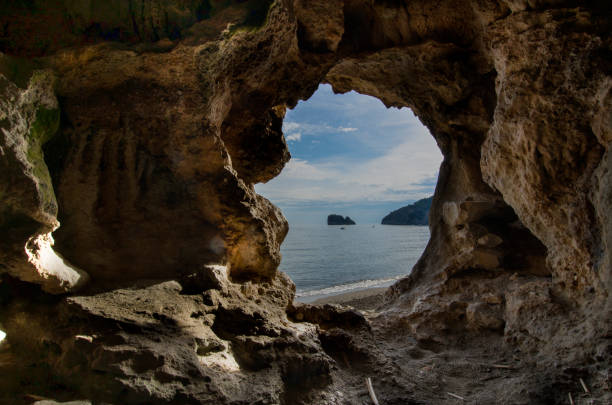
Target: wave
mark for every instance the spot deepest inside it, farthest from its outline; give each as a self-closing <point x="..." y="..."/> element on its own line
<point x="359" y="285"/>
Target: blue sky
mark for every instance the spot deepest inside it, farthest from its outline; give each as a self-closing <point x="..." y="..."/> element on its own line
<point x="352" y="156"/>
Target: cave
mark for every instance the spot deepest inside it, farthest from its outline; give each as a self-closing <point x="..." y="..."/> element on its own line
<point x="139" y="266"/>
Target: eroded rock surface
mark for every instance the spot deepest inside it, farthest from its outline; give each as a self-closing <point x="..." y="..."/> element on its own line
<point x="168" y="342"/>
<point x="29" y="117"/>
<point x="133" y="134"/>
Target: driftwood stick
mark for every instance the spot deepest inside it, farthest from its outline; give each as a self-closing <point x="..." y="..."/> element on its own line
<point x="569" y="395"/>
<point x="584" y="387"/>
<point x="456" y="396"/>
<point x="371" y="391"/>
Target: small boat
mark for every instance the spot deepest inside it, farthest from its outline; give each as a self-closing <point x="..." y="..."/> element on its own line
<point x="342" y="227"/>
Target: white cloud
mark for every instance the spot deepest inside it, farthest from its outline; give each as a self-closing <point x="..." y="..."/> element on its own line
<point x="290" y="126"/>
<point x="309" y="129"/>
<point x="398" y="158"/>
<point x="294" y="137"/>
<point x="298" y="169"/>
<point x="404" y="166"/>
<point x="398" y="175"/>
<point x="345" y="129"/>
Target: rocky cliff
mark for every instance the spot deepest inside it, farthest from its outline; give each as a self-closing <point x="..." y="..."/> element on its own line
<point x="139" y="266"/>
<point x="413" y="214"/>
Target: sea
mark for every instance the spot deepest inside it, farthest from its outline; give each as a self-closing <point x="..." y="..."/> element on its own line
<point x="324" y="260"/>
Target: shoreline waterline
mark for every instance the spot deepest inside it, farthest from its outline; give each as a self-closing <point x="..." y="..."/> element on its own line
<point x="326" y="261"/>
<point x="346" y="290"/>
<point x="366" y="299"/>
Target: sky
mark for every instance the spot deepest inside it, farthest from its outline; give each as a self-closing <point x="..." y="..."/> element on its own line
<point x="352" y="156"/>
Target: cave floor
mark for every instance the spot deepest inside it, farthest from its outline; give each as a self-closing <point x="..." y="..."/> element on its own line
<point x="451" y="370"/>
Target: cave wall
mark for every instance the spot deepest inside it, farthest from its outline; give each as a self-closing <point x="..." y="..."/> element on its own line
<point x="169" y="112"/>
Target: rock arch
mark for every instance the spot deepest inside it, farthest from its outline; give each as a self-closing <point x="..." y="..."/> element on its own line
<point x="169" y="114"/>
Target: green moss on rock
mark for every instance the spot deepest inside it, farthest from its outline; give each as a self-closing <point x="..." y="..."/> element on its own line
<point x="46" y="124"/>
<point x="42" y="130"/>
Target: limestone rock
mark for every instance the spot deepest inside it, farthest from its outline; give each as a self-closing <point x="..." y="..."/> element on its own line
<point x="320" y="24"/>
<point x="544" y="166"/>
<point x="484" y="316"/>
<point x="172" y="111"/>
<point x="159" y="342"/>
<point x="327" y="316"/>
<point x="209" y="277"/>
<point x="490" y="240"/>
<point x="29" y="118"/>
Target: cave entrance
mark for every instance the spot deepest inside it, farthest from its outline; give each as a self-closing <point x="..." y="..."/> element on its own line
<point x="354" y="157"/>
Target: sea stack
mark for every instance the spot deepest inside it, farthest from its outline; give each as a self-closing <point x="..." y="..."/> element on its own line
<point x="335" y="219"/>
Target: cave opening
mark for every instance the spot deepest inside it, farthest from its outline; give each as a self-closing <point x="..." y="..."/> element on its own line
<point x="167" y="122"/>
<point x="354" y="157"/>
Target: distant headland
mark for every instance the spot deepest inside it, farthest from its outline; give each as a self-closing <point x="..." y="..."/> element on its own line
<point x="334" y="219"/>
<point x="413" y="214"/>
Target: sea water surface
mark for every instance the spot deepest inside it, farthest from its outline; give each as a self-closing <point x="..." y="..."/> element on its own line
<point x="325" y="260"/>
